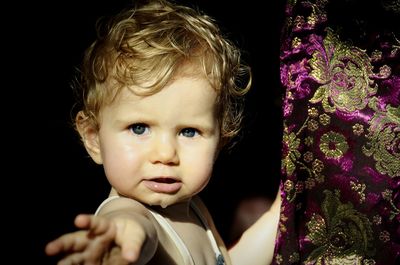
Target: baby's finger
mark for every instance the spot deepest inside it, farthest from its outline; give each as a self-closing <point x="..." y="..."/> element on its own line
<point x="76" y="241"/>
<point x="53" y="248"/>
<point x="96" y="225"/>
<point x="83" y="221"/>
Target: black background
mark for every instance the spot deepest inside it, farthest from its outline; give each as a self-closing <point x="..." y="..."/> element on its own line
<point x="47" y="176"/>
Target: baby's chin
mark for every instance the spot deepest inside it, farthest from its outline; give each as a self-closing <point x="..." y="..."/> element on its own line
<point x="164" y="202"/>
<point x="170" y="200"/>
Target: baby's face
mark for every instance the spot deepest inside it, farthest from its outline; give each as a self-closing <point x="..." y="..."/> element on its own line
<point x="160" y="149"/>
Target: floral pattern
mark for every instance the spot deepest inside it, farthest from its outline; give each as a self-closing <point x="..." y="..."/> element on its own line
<point x="342" y="232"/>
<point x="344" y="74"/>
<point x="340" y="168"/>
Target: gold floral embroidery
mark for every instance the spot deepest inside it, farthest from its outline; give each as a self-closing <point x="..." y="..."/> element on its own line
<point x="312" y="125"/>
<point x="308" y="156"/>
<point x="288" y="186"/>
<point x="298" y="22"/>
<point x="384" y="71"/>
<point x="296" y="42"/>
<point x="289" y="189"/>
<point x="376" y="55"/>
<point x="312" y="19"/>
<point x="343" y="72"/>
<point x="317" y="165"/>
<point x="384" y="236"/>
<point x="333" y="145"/>
<point x="314" y="174"/>
<point x="324" y="119"/>
<point x="313" y="112"/>
<point x="308" y="141"/>
<point x="358" y="129"/>
<point x="387" y="195"/>
<point x="342" y="232"/>
<point x="384" y="139"/>
<point x="317" y="14"/>
<point x="377" y="219"/>
<point x="359" y="188"/>
<point x="292" y="143"/>
<point x="291" y="156"/>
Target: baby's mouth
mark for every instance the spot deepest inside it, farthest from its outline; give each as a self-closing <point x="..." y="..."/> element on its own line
<point x="163" y="185"/>
<point x="165" y="180"/>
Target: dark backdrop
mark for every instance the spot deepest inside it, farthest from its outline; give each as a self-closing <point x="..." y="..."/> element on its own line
<point x="48" y="178"/>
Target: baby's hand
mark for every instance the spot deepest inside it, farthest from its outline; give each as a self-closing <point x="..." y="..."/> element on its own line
<point x="100" y="241"/>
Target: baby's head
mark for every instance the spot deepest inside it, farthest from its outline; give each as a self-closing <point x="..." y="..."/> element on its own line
<point x="148" y="45"/>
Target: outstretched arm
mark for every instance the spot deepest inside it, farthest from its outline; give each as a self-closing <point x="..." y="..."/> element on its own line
<point x="119" y="235"/>
<point x="260" y="236"/>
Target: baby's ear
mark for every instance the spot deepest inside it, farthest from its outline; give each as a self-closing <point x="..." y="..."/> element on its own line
<point x="90" y="136"/>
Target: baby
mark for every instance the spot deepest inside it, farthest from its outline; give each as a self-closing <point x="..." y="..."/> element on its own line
<point x="162" y="93"/>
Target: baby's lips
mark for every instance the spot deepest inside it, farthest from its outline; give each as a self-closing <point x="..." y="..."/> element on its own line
<point x="163" y="185"/>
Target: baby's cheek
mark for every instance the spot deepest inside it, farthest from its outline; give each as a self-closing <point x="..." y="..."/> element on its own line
<point x="121" y="170"/>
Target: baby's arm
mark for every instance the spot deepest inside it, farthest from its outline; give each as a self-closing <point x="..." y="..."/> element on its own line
<point x="258" y="241"/>
<point x="122" y="233"/>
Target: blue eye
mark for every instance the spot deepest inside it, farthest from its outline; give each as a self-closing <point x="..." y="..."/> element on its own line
<point x="139" y="128"/>
<point x="189" y="132"/>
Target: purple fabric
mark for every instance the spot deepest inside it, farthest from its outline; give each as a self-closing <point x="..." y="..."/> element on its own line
<point x="341" y="144"/>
